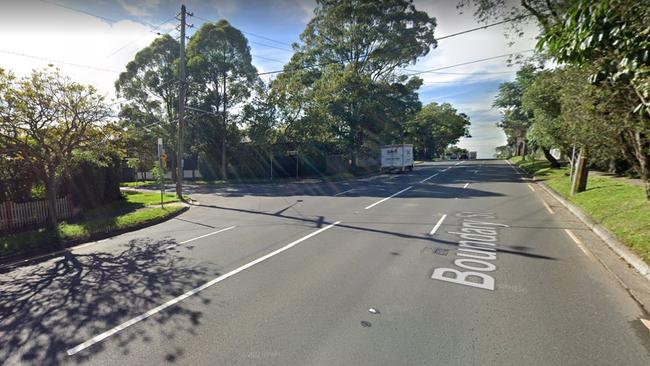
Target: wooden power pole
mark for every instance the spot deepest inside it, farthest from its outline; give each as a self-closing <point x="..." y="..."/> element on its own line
<point x="181" y="109"/>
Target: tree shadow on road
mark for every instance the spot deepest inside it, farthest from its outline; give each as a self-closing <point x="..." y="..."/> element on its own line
<point x="53" y="306"/>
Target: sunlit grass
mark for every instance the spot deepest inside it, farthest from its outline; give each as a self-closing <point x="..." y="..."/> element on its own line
<point x="619" y="206"/>
<point x="135" y="209"/>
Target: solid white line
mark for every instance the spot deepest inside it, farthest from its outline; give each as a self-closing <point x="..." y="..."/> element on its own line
<point x="570" y="233"/>
<point x="548" y="208"/>
<point x="578" y="242"/>
<point x="344" y="192"/>
<point x="460" y="162"/>
<point x="531" y="187"/>
<point x="387" y="198"/>
<point x="466" y="185"/>
<point x="426" y="179"/>
<point x="435" y="228"/>
<point x="132" y="321"/>
<point x="645" y="322"/>
<point x="206" y="235"/>
<point x="198" y="237"/>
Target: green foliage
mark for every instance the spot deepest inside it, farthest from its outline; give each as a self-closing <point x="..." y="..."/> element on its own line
<point x="502" y="152"/>
<point x="353" y="97"/>
<point x="149" y="84"/>
<point x="18" y="182"/>
<point x="516" y="120"/>
<point x="133" y="211"/>
<point x="435" y="127"/>
<point x="619" y="206"/>
<point x="50" y="124"/>
<point x="92" y="185"/>
<point x="158" y="173"/>
<point x="223" y="77"/>
<point x="613" y="34"/>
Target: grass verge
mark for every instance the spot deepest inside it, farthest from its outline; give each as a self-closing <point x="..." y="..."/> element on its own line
<point x="142" y="183"/>
<point x="619" y="206"/>
<point x="134" y="210"/>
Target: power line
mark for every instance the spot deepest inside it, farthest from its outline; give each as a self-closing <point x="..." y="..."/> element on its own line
<point x="58" y="61"/>
<point x="79" y="11"/>
<point x="139" y="38"/>
<point x="249" y="33"/>
<point x="464" y="73"/>
<point x="413" y="73"/>
<point x="481" y="28"/>
<point x="468" y="62"/>
<point x="270" y="46"/>
<point x="269" y="59"/>
<point x="92" y="14"/>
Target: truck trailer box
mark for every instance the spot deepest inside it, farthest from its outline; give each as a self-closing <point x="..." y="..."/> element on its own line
<point x="397" y="157"/>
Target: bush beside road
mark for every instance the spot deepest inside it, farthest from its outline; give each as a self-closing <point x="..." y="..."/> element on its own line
<point x="135" y="210"/>
<point x="619" y="206"/>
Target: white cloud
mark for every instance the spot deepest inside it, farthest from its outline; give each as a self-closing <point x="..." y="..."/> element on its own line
<point x="138" y="11"/>
<point x="471" y="46"/>
<point x="65" y="35"/>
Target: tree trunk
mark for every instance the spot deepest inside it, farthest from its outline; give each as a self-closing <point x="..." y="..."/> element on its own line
<point x="50" y="187"/>
<point x="224" y="171"/>
<point x="551" y="159"/>
<point x="224" y="168"/>
<point x="172" y="168"/>
<point x="353" y="159"/>
<point x="579" y="182"/>
<point x="640" y="148"/>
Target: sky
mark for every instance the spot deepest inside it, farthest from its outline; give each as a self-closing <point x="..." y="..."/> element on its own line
<point x="91" y="41"/>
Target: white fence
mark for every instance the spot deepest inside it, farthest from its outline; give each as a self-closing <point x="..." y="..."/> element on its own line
<point x="168" y="175"/>
<point x="17" y="215"/>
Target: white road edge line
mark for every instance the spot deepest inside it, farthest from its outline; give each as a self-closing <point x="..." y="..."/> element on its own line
<point x="531" y="187"/>
<point x="199" y="237"/>
<point x="466" y="185"/>
<point x="426" y="179"/>
<point x="344" y="192"/>
<point x="132" y="321"/>
<point x="389" y="197"/>
<point x="435" y="228"/>
<point x="578" y="242"/>
<point x="548" y="208"/>
<point x="645" y="322"/>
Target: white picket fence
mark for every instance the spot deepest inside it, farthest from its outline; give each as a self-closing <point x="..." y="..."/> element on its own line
<point x="17" y="215"/>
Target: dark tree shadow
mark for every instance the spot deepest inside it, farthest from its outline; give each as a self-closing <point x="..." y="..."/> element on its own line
<point x="50" y="307"/>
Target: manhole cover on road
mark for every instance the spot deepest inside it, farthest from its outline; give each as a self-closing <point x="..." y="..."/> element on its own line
<point x="441" y="251"/>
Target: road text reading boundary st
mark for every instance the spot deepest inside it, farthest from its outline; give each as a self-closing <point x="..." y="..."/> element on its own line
<point x="477" y="249"/>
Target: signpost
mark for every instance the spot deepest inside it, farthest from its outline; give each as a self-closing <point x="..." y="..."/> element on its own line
<point x="162" y="157"/>
<point x="295" y="153"/>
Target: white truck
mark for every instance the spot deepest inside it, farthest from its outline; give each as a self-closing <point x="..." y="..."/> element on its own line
<point x="397" y="158"/>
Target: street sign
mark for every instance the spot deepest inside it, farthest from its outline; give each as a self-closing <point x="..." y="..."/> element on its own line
<point x="163" y="160"/>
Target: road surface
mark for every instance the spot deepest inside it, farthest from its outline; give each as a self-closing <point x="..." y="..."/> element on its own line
<point x="451" y="264"/>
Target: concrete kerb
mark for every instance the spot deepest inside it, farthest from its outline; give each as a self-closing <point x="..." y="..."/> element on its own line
<point x="28" y="257"/>
<point x="619" y="248"/>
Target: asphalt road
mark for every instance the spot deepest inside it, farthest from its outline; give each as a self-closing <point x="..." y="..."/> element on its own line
<point x="335" y="274"/>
